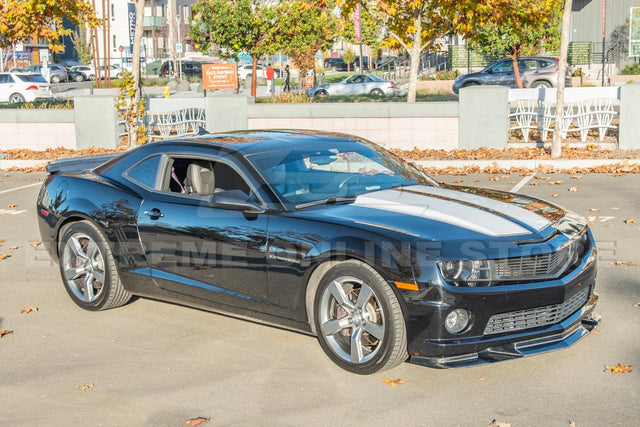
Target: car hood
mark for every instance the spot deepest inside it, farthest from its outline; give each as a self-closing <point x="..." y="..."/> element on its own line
<point x="446" y="212"/>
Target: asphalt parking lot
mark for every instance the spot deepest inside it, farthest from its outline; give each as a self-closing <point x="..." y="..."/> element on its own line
<point x="151" y="363"/>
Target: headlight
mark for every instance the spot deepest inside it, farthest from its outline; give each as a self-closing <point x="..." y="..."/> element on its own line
<point x="467" y="273"/>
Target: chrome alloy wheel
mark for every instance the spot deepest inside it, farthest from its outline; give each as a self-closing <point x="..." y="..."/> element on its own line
<point x="351" y="319"/>
<point x="84" y="268"/>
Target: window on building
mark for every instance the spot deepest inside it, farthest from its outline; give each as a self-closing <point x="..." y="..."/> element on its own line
<point x="113" y="12"/>
<point x="114" y="44"/>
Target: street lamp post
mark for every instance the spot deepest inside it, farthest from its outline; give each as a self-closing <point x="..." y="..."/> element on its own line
<point x="178" y="24"/>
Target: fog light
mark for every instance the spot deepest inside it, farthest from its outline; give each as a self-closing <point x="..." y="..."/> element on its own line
<point x="457" y="320"/>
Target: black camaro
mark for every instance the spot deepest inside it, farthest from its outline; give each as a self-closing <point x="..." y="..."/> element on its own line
<point x="327" y="234"/>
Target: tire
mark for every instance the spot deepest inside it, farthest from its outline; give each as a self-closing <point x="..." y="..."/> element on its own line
<point x="470" y="84"/>
<point x="321" y="93"/>
<point x="377" y="91"/>
<point x="15" y="98"/>
<point x="78" y="78"/>
<point x="541" y="83"/>
<point x="361" y="334"/>
<point x="92" y="77"/>
<point x="88" y="269"/>
<point x="55" y="79"/>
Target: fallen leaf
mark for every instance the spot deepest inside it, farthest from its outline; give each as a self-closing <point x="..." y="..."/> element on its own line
<point x="554" y="195"/>
<point x="457" y="181"/>
<point x="28" y="309"/>
<point x="576" y="177"/>
<point x="629" y="221"/>
<point x="573" y="189"/>
<point x="629" y="263"/>
<point x="2" y="241"/>
<point x="12" y="205"/>
<point x="35" y="243"/>
<point x="13" y="248"/>
<point x="5" y="332"/>
<point x="3" y="256"/>
<point x="618" y="369"/>
<point x="480" y="378"/>
<point x="197" y="421"/>
<point x="594" y="210"/>
<point x="636" y="305"/>
<point x="572" y="423"/>
<point x="615" y="209"/>
<point x="534" y="183"/>
<point x="84" y="387"/>
<point x="393" y="383"/>
<point x="495" y="423"/>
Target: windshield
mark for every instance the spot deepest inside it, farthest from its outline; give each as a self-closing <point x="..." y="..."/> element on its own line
<point x="342" y="168"/>
<point x="33" y="78"/>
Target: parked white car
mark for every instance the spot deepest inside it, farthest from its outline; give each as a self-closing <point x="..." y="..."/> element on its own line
<point x="23" y="87"/>
<point x="244" y="70"/>
<point x="86" y="71"/>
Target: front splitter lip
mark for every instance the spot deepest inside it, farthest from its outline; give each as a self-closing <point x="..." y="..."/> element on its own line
<point x="573" y="329"/>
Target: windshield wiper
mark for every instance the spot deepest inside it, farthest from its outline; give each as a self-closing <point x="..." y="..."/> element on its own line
<point x="327" y="201"/>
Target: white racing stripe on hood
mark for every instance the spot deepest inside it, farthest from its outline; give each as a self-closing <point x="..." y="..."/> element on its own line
<point x="511" y="210"/>
<point x="446" y="211"/>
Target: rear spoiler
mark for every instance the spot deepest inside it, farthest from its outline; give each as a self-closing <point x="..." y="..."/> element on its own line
<point x="79" y="164"/>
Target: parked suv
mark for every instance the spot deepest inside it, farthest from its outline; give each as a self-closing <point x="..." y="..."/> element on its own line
<point x="534" y="72"/>
<point x="189" y="68"/>
<point x="22" y="86"/>
<point x="57" y="72"/>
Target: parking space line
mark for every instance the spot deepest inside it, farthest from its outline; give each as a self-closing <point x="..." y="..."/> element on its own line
<point x="20" y="188"/>
<point x="522" y="183"/>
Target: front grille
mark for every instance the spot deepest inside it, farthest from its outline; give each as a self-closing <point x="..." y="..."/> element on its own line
<point x="534" y="266"/>
<point x="541" y="316"/>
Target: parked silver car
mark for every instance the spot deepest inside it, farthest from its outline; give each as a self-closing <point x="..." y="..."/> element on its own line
<point x="57" y="73"/>
<point x="356" y="85"/>
<point x="535" y="71"/>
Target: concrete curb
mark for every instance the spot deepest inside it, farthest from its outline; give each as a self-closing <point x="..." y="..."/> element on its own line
<point x="438" y="164"/>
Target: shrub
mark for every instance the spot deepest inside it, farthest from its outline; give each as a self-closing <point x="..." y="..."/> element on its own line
<point x="577" y="72"/>
<point x="631" y="69"/>
<point x="54" y="104"/>
<point x="443" y="75"/>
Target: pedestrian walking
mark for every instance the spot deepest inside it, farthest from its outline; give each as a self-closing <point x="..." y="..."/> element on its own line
<point x="270" y="85"/>
<point x="287" y="76"/>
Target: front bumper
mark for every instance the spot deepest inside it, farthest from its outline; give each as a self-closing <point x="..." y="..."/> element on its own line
<point x="555" y="337"/>
<point x="430" y="344"/>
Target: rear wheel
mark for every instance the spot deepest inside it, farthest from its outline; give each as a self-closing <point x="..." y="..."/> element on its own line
<point x="541" y="83"/>
<point x="55" y="79"/>
<point x="78" y="78"/>
<point x="358" y="319"/>
<point x="16" y="97"/>
<point x="92" y="77"/>
<point x="88" y="269"/>
<point x="377" y="91"/>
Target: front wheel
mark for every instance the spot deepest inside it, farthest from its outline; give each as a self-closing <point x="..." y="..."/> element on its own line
<point x="88" y="269"/>
<point x="541" y="83"/>
<point x="78" y="78"/>
<point x="55" y="79"/>
<point x="321" y="93"/>
<point x="358" y="319"/>
<point x="16" y="97"/>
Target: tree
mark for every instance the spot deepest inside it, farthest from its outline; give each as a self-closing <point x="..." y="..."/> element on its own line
<point x="235" y="26"/>
<point x="303" y="29"/>
<point x="82" y="47"/>
<point x="370" y="28"/>
<point x="349" y="56"/>
<point x="21" y="20"/>
<point x="522" y="28"/>
<point x="556" y="146"/>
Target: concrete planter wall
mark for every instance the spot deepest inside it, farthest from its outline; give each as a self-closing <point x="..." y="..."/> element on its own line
<point x="37" y="129"/>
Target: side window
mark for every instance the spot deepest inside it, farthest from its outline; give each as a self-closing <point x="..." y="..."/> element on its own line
<point x="145" y="173"/>
<point x="200" y="177"/>
<point x="545" y="64"/>
<point x="528" y="64"/>
<point x="4" y="78"/>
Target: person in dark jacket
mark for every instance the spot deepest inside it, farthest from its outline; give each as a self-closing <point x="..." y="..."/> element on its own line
<point x="287" y="77"/>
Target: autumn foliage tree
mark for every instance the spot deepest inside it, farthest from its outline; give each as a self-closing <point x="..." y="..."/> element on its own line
<point x="303" y="28"/>
<point x="21" y="20"/>
<point x="235" y="27"/>
<point x="518" y="28"/>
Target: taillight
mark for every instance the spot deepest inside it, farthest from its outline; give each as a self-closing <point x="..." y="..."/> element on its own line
<point x="392" y="85"/>
<point x="32" y="87"/>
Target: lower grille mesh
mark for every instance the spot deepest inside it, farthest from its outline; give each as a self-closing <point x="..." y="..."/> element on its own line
<point x="541" y="316"/>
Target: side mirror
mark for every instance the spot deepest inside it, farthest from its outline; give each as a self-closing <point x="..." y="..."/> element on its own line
<point x="234" y="200"/>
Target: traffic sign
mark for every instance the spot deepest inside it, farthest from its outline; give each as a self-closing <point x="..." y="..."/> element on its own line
<point x="179" y="47"/>
<point x="121" y="48"/>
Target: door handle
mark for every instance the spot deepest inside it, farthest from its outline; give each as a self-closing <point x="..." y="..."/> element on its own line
<point x="154" y="213"/>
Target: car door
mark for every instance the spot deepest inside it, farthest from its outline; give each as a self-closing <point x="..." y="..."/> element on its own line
<point x="196" y="249"/>
<point x="501" y="74"/>
<point x="6" y="84"/>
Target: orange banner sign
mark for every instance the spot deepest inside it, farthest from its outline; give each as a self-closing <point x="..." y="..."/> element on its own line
<point x="219" y="76"/>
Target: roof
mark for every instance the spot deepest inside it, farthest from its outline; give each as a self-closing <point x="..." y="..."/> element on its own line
<point x="252" y="141"/>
